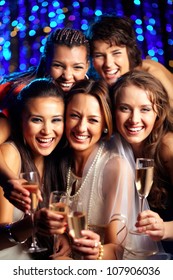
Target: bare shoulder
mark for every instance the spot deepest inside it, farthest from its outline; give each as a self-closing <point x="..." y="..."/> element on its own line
<point x="11" y="156"/>
<point x="166" y="148"/>
<point x="153" y="67"/>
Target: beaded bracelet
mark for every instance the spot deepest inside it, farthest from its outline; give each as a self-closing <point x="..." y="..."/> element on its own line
<point x="101" y="252"/>
<point x="10" y="236"/>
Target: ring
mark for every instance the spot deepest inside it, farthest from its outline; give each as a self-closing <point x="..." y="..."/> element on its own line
<point x="96" y="244"/>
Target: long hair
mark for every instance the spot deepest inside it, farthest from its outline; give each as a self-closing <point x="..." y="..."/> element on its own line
<point x="163" y="124"/>
<point x="42" y="87"/>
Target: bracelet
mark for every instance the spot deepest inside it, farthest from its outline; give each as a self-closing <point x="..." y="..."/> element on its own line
<point x="101" y="252"/>
<point x="10" y="236"/>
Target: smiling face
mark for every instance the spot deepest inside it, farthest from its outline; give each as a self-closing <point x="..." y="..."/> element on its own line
<point x="68" y="65"/>
<point x="134" y="115"/>
<point x="84" y="123"/>
<point x="111" y="62"/>
<point x="43" y="124"/>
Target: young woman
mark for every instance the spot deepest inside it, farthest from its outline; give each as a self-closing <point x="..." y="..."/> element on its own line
<point x="93" y="173"/>
<point x="144" y="118"/>
<point x="37" y="120"/>
<point x="65" y="59"/>
<point x="114" y="52"/>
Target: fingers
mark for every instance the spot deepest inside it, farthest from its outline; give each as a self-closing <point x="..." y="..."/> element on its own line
<point x="89" y="245"/>
<point x="151" y="223"/>
<point x="50" y="223"/>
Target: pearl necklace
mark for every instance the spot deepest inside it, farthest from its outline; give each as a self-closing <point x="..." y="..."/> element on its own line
<point x="99" y="152"/>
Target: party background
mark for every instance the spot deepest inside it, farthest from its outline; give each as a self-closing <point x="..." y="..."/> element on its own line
<point x="24" y="25"/>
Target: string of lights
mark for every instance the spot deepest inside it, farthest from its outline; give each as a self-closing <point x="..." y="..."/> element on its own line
<point x="24" y="25"/>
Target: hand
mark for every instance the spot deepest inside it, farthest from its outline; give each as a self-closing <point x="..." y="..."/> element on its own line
<point x="88" y="245"/>
<point x="63" y="248"/>
<point x="150" y="223"/>
<point x="49" y="223"/>
<point x="17" y="195"/>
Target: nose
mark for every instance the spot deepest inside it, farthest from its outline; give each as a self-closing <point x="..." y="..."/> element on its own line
<point x="82" y="125"/>
<point x="46" y="128"/>
<point x="108" y="61"/>
<point x="134" y="117"/>
<point x="67" y="74"/>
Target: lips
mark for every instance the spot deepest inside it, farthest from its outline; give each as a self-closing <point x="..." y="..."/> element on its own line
<point x="134" y="129"/>
<point x="80" y="137"/>
<point x="111" y="72"/>
<point x="45" y="141"/>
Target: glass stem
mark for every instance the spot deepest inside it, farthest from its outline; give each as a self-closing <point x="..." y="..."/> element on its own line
<point x="142" y="203"/>
<point x="55" y="243"/>
<point x="34" y="242"/>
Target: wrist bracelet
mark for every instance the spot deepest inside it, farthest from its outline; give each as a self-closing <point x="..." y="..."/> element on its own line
<point x="101" y="252"/>
<point x="10" y="236"/>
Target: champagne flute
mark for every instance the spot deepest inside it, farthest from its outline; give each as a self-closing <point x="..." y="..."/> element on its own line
<point x="58" y="204"/>
<point x="77" y="219"/>
<point x="144" y="179"/>
<point x="32" y="185"/>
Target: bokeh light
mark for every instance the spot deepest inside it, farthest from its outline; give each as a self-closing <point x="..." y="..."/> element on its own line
<point x="25" y="24"/>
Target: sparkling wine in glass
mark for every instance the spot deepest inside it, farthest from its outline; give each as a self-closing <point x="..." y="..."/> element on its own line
<point x="31" y="184"/>
<point x="58" y="204"/>
<point x="77" y="219"/>
<point x="143" y="180"/>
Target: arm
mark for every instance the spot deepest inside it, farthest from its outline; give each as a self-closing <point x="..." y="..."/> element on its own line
<point x="19" y="235"/>
<point x="149" y="221"/>
<point x="162" y="74"/>
<point x="4" y="129"/>
<point x="9" y="181"/>
<point x="12" y="160"/>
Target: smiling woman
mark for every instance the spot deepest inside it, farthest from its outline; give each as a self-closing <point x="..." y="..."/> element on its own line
<point x="37" y="121"/>
<point x="142" y="115"/>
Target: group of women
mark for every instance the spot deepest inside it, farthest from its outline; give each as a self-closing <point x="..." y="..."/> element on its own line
<point x="89" y="149"/>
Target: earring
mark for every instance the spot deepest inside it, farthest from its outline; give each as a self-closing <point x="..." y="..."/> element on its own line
<point x="105" y="130"/>
<point x="86" y="77"/>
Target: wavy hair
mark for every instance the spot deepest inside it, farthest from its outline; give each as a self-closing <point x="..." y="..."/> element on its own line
<point x="163" y="124"/>
<point x="116" y="30"/>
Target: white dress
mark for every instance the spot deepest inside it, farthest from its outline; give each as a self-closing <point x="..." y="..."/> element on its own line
<point x="107" y="192"/>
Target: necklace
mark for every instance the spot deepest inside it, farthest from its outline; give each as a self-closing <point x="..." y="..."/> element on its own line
<point x="99" y="152"/>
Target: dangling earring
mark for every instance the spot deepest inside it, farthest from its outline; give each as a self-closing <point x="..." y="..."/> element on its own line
<point x="105" y="130"/>
<point x="86" y="77"/>
<point x="24" y="141"/>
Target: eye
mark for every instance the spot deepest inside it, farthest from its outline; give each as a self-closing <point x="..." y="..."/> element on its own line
<point x="36" y="119"/>
<point x="124" y="108"/>
<point x="116" y="52"/>
<point x="97" y="55"/>
<point x="57" y="65"/>
<point x="78" y="67"/>
<point x="146" y="109"/>
<point x="58" y="119"/>
<point x="74" y="116"/>
<point x="92" y="120"/>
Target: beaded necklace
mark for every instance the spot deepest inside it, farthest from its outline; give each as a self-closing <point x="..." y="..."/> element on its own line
<point x="94" y="164"/>
<point x="99" y="152"/>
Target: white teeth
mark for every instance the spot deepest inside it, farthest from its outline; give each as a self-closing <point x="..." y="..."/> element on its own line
<point x="66" y="85"/>
<point x="113" y="72"/>
<point x="45" y="140"/>
<point x="81" y="137"/>
<point x="135" y="129"/>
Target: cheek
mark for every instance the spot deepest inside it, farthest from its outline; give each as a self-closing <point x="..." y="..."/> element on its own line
<point x="54" y="73"/>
